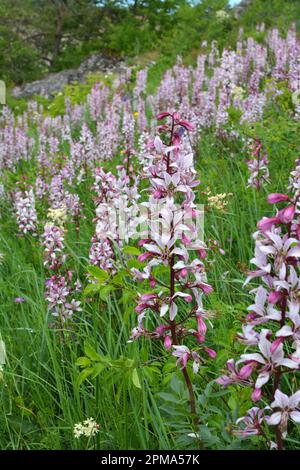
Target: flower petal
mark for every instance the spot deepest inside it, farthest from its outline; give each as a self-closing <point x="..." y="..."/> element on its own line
<point x="274" y="419"/>
<point x="295" y="416"/>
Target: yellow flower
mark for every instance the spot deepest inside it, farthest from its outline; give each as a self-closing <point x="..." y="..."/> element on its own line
<point x="58" y="216"/>
<point x="218" y="201"/>
<point x="238" y="92"/>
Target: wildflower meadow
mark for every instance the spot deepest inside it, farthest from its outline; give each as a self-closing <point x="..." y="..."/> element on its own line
<point x="150" y="255"/>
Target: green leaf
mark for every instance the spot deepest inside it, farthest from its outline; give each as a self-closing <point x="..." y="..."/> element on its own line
<point x="127" y="296"/>
<point x="105" y="291"/>
<point x="119" y="278"/>
<point x="207" y="437"/>
<point x="232" y="403"/>
<point x="177" y="385"/>
<point x="97" y="369"/>
<point x="169" y="397"/>
<point x="98" y="273"/>
<point x="91" y="352"/>
<point x="135" y="379"/>
<point x="84" y="374"/>
<point x="221" y="393"/>
<point x="91" y="289"/>
<point x="83" y="361"/>
<point x="134" y="263"/>
<point x="131" y="250"/>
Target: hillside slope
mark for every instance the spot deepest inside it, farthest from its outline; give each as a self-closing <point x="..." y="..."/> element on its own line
<point x="132" y="211"/>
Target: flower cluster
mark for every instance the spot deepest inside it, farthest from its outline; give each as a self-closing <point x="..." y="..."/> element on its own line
<point x="239" y="78"/>
<point x="217" y="201"/>
<point x="272" y="326"/>
<point x="53" y="243"/>
<point x="88" y="428"/>
<point x="25" y="211"/>
<point x="107" y="191"/>
<point x="258" y="166"/>
<point x="175" y="301"/>
<point x="57" y="216"/>
<point x="59" y="286"/>
<point x="116" y="197"/>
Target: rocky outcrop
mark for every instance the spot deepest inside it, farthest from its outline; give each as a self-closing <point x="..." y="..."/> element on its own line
<point x="55" y="82"/>
<point x="241" y="7"/>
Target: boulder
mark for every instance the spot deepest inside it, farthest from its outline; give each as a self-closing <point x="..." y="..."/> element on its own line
<point x="55" y="82"/>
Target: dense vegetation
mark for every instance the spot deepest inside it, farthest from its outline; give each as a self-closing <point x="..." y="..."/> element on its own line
<point x="38" y="36"/>
<point x="152" y="342"/>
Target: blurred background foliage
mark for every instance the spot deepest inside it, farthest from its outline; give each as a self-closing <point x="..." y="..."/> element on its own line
<point x="42" y="36"/>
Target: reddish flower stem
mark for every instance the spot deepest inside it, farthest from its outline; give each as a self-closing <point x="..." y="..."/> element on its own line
<point x="172" y="323"/>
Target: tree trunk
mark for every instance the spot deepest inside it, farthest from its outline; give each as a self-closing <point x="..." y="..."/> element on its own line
<point x="59" y="28"/>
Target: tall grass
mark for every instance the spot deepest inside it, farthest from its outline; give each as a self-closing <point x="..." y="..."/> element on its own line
<point x="40" y="397"/>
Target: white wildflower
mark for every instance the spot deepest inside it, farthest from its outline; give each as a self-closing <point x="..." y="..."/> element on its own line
<point x="88" y="428"/>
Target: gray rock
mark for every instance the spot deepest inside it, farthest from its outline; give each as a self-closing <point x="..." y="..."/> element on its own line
<point x="55" y="82"/>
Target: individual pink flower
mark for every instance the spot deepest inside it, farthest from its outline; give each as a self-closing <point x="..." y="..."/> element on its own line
<point x="241" y="376"/>
<point x="251" y="423"/>
<point x="274" y="198"/>
<point x="182" y="353"/>
<point x="287" y="409"/>
<point x="269" y="359"/>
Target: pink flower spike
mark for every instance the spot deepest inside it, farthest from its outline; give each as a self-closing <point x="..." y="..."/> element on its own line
<point x="157" y="194"/>
<point x="143" y="241"/>
<point x="207" y="289"/>
<point x="212" y="354"/>
<point x="200" y="338"/>
<point x="287" y="214"/>
<point x="163" y="115"/>
<point x="185" y="359"/>
<point x="256" y="394"/>
<point x="161" y="329"/>
<point x="202" y="328"/>
<point x="246" y="371"/>
<point x="139" y="308"/>
<point x="202" y="253"/>
<point x="277" y="197"/>
<point x="187" y="125"/>
<point x="168" y="342"/>
<point x="274" y="297"/>
<point x="267" y="223"/>
<point x="275" y="344"/>
<point x="183" y="272"/>
<point x="146" y="297"/>
<point x="144" y="256"/>
<point x="162" y="127"/>
<point x="185" y="239"/>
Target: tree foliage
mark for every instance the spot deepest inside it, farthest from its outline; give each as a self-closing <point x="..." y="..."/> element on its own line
<point x="38" y="36"/>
